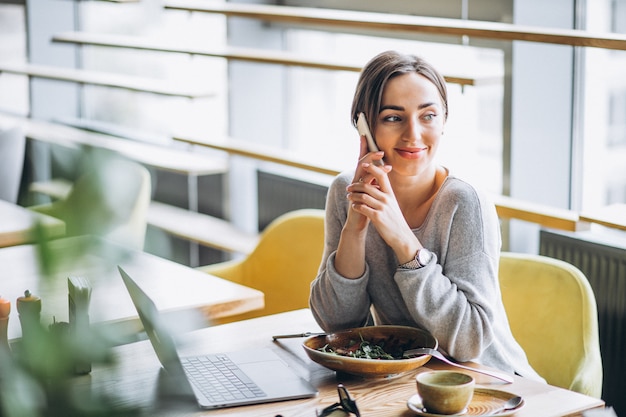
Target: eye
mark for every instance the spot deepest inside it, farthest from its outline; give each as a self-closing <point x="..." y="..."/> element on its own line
<point x="391" y="118"/>
<point x="430" y="116"/>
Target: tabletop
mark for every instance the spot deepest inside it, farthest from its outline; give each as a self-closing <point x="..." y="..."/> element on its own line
<point x="176" y="289"/>
<point x="137" y="377"/>
<point x="17" y="224"/>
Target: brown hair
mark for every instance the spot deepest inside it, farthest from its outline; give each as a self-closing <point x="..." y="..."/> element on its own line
<point x="378" y="71"/>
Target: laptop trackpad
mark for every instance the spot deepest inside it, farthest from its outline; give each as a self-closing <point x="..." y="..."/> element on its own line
<point x="276" y="378"/>
<point x="271" y="373"/>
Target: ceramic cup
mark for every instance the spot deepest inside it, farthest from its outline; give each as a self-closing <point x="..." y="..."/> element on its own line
<point x="445" y="392"/>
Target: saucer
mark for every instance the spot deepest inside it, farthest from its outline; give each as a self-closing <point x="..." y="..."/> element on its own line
<point x="485" y="403"/>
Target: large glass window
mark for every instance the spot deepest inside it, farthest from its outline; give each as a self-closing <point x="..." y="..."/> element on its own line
<point x="312" y="115"/>
<point x="157" y="114"/>
<point x="13" y="87"/>
<point x="319" y="102"/>
<point x="604" y="112"/>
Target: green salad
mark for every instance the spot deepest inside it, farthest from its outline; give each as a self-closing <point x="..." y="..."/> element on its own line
<point x="359" y="349"/>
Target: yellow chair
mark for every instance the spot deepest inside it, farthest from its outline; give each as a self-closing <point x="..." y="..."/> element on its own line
<point x="552" y="312"/>
<point x="282" y="265"/>
<point x="110" y="200"/>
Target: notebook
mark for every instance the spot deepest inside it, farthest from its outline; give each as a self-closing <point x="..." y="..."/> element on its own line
<point x="221" y="380"/>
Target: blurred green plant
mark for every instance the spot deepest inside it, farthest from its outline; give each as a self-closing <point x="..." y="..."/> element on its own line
<point x="37" y="377"/>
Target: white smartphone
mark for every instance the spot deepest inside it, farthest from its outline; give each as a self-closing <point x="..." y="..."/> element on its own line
<point x="364" y="130"/>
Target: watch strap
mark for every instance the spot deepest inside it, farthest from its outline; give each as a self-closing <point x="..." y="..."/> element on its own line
<point x="422" y="258"/>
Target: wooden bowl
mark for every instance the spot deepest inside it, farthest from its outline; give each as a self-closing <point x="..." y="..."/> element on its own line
<point x="394" y="339"/>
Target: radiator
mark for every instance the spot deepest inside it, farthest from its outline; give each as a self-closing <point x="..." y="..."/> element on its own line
<point x="603" y="261"/>
<point x="280" y="194"/>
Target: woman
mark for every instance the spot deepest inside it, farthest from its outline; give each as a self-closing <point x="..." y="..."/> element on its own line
<point x="407" y="243"/>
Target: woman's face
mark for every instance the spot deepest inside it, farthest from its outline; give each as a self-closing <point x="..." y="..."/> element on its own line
<point x="410" y="123"/>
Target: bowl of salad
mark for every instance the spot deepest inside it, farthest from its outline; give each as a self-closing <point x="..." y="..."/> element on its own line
<point x="372" y="351"/>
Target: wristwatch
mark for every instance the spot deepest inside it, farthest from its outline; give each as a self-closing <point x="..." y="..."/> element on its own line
<point x="422" y="258"/>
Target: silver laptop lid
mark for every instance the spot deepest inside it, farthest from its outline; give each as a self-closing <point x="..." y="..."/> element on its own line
<point x="161" y="339"/>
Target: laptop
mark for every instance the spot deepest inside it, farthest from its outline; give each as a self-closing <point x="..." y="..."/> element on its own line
<point x="221" y="380"/>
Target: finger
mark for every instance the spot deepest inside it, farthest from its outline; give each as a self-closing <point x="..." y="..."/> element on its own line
<point x="365" y="204"/>
<point x="368" y="195"/>
<point x="372" y="170"/>
<point x="358" y="179"/>
<point x="376" y="175"/>
<point x="361" y="178"/>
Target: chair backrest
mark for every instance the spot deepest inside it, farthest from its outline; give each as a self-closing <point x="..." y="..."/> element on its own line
<point x="553" y="315"/>
<point x="133" y="202"/>
<point x="111" y="200"/>
<point x="282" y="265"/>
<point x="12" y="149"/>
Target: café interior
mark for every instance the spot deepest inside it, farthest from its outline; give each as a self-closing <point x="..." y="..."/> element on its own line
<point x="190" y="145"/>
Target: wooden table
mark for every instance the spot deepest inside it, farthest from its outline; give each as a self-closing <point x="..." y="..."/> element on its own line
<point x="17" y="224"/>
<point x="178" y="290"/>
<point x="137" y="375"/>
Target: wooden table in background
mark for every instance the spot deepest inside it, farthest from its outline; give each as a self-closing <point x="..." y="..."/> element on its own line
<point x="17" y="224"/>
<point x="183" y="293"/>
<point x="136" y="378"/>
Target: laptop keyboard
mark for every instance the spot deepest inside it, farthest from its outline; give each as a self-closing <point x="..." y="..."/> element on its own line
<point x="219" y="379"/>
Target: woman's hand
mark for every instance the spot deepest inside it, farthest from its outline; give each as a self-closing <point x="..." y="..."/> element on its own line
<point x="373" y="198"/>
<point x="366" y="185"/>
<point x="350" y="256"/>
<point x="356" y="220"/>
<point x="365" y="156"/>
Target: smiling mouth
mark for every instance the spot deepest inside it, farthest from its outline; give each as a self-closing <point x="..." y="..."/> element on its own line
<point x="411" y="153"/>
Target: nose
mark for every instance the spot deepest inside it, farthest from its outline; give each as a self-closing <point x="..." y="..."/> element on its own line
<point x="413" y="131"/>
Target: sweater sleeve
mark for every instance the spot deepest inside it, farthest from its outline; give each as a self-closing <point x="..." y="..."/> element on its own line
<point x="456" y="296"/>
<point x="338" y="302"/>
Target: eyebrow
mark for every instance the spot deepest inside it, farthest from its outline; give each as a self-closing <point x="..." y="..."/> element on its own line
<point x="400" y="108"/>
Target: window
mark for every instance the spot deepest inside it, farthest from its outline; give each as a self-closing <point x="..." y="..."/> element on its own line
<point x="318" y="113"/>
<point x="13" y="87"/>
<point x="159" y="115"/>
<point x="501" y="135"/>
<point x="604" y="112"/>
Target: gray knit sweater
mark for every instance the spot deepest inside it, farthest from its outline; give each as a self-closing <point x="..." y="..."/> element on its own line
<point x="456" y="297"/>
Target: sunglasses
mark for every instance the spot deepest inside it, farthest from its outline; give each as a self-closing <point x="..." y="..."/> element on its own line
<point x="346" y="403"/>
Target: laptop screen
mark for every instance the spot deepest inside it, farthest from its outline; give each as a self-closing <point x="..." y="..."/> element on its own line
<point x="161" y="340"/>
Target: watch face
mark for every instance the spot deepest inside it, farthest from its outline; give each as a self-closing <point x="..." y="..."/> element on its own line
<point x="424" y="256"/>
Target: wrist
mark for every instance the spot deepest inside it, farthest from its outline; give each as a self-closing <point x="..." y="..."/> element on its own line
<point x="420" y="260"/>
<point x="406" y="250"/>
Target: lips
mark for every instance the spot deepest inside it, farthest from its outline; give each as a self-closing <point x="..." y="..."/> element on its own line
<point x="411" y="153"/>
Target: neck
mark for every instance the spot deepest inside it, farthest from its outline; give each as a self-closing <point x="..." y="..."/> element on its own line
<point x="415" y="194"/>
